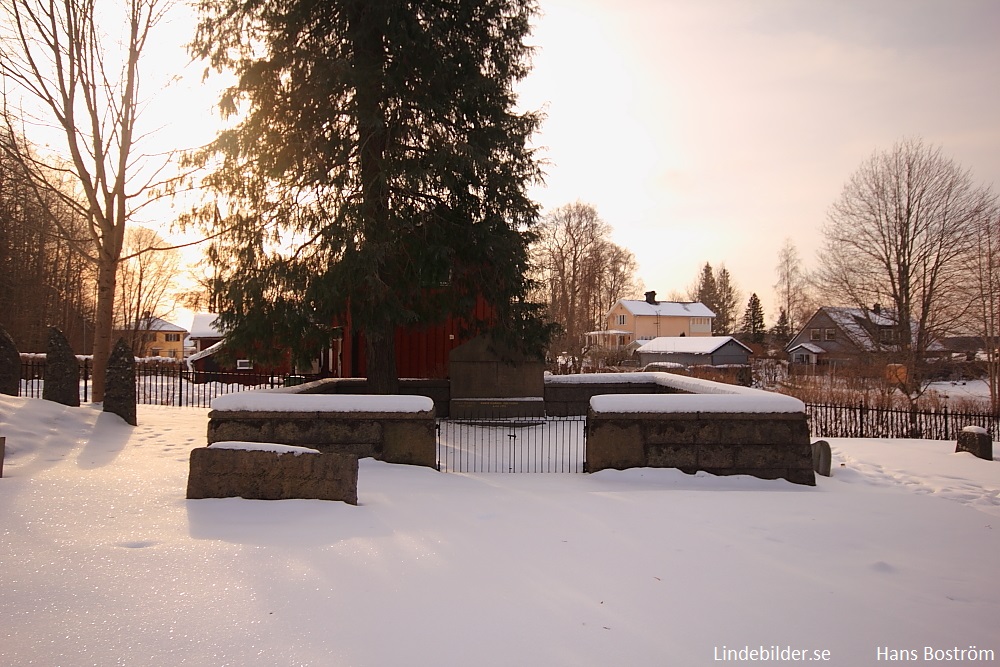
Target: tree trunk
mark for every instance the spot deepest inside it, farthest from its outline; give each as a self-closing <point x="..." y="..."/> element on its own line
<point x="380" y="347"/>
<point x="103" y="326"/>
<point x="366" y="27"/>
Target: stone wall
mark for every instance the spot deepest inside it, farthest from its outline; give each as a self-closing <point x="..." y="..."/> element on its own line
<point x="738" y="438"/>
<point x="438" y="390"/>
<point x="272" y="475"/>
<point x="565" y="399"/>
<point x="569" y="395"/>
<point x="394" y="437"/>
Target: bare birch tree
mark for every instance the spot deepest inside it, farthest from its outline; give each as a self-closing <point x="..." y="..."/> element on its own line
<point x="898" y="236"/>
<point x="145" y="281"/>
<point x="984" y="294"/>
<point x="80" y="87"/>
<point x="792" y="287"/>
<point x="580" y="273"/>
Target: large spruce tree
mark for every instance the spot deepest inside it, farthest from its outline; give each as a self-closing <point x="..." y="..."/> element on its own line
<point x="753" y="320"/>
<point x="378" y="171"/>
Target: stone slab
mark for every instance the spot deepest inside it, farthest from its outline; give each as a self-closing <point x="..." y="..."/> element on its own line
<point x="266" y="475"/>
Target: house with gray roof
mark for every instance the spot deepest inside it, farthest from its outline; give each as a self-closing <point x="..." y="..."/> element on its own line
<point x="846" y="336"/>
<point x="694" y="351"/>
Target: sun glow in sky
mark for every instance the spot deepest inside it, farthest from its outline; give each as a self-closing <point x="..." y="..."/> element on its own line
<point x="711" y="131"/>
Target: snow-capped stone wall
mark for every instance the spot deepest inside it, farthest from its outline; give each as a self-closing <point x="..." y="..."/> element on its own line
<point x="395" y="429"/>
<point x="721" y="429"/>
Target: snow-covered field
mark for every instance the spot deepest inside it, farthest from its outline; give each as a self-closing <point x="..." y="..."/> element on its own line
<point x="104" y="562"/>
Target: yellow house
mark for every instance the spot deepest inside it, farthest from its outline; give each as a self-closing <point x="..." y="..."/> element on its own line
<point x="631" y="320"/>
<point x="155" y="337"/>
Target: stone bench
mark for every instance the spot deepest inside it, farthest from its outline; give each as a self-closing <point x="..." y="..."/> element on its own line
<point x="268" y="471"/>
<point x="759" y="434"/>
<point x="395" y="429"/>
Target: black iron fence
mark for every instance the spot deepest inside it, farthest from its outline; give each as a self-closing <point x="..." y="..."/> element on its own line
<point x="863" y="421"/>
<point x="163" y="383"/>
<point x="521" y="444"/>
<point x="511" y="445"/>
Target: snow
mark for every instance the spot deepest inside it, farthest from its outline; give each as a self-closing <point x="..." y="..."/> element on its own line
<point x="105" y="562"/>
<point x="263" y="447"/>
<point x="975" y="429"/>
<point x="692" y="403"/>
<point x="203" y="325"/>
<point x="681" y="383"/>
<point x="207" y="352"/>
<point x="666" y="308"/>
<point x="267" y="401"/>
<point x="598" y="378"/>
<point x="688" y="344"/>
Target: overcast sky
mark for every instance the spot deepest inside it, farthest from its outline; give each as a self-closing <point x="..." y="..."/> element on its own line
<point x="712" y="130"/>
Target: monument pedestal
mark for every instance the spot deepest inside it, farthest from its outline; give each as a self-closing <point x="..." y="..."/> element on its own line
<point x="489" y="381"/>
<point x="497" y="408"/>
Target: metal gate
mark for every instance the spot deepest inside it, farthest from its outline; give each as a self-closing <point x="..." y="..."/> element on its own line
<point x="523" y="444"/>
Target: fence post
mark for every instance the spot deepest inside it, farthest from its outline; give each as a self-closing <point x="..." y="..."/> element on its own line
<point x="946" y="437"/>
<point x="180" y="386"/>
<point x="861" y="418"/>
<point x="86" y="377"/>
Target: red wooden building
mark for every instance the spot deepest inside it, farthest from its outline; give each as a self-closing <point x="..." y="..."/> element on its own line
<point x="421" y="351"/>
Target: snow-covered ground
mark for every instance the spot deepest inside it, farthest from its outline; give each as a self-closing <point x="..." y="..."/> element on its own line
<point x="104" y="562"/>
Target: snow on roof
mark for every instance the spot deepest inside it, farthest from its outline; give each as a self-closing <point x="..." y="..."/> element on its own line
<point x="156" y="324"/>
<point x="263" y="447"/>
<point x="689" y="344"/>
<point x="609" y="332"/>
<point x="762" y="403"/>
<point x="815" y="349"/>
<point x="207" y="352"/>
<point x="203" y="326"/>
<point x="265" y="401"/>
<point x="850" y="321"/>
<point x="666" y="308"/>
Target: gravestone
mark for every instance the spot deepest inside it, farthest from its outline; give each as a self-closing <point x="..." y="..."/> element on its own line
<point x="62" y="371"/>
<point x="10" y="365"/>
<point x="977" y="441"/>
<point x="490" y="380"/>
<point x="119" y="383"/>
<point x="822" y="457"/>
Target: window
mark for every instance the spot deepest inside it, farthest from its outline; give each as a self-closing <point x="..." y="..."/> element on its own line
<point x="244" y="365"/>
<point x="815" y="334"/>
<point x="621" y="320"/>
<point x="173" y="338"/>
<point x="888" y="335"/>
<point x="831" y="334"/>
<point x="172" y="354"/>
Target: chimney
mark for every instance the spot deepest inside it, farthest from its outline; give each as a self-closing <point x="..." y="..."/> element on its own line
<point x="651" y="297"/>
<point x="877" y="308"/>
